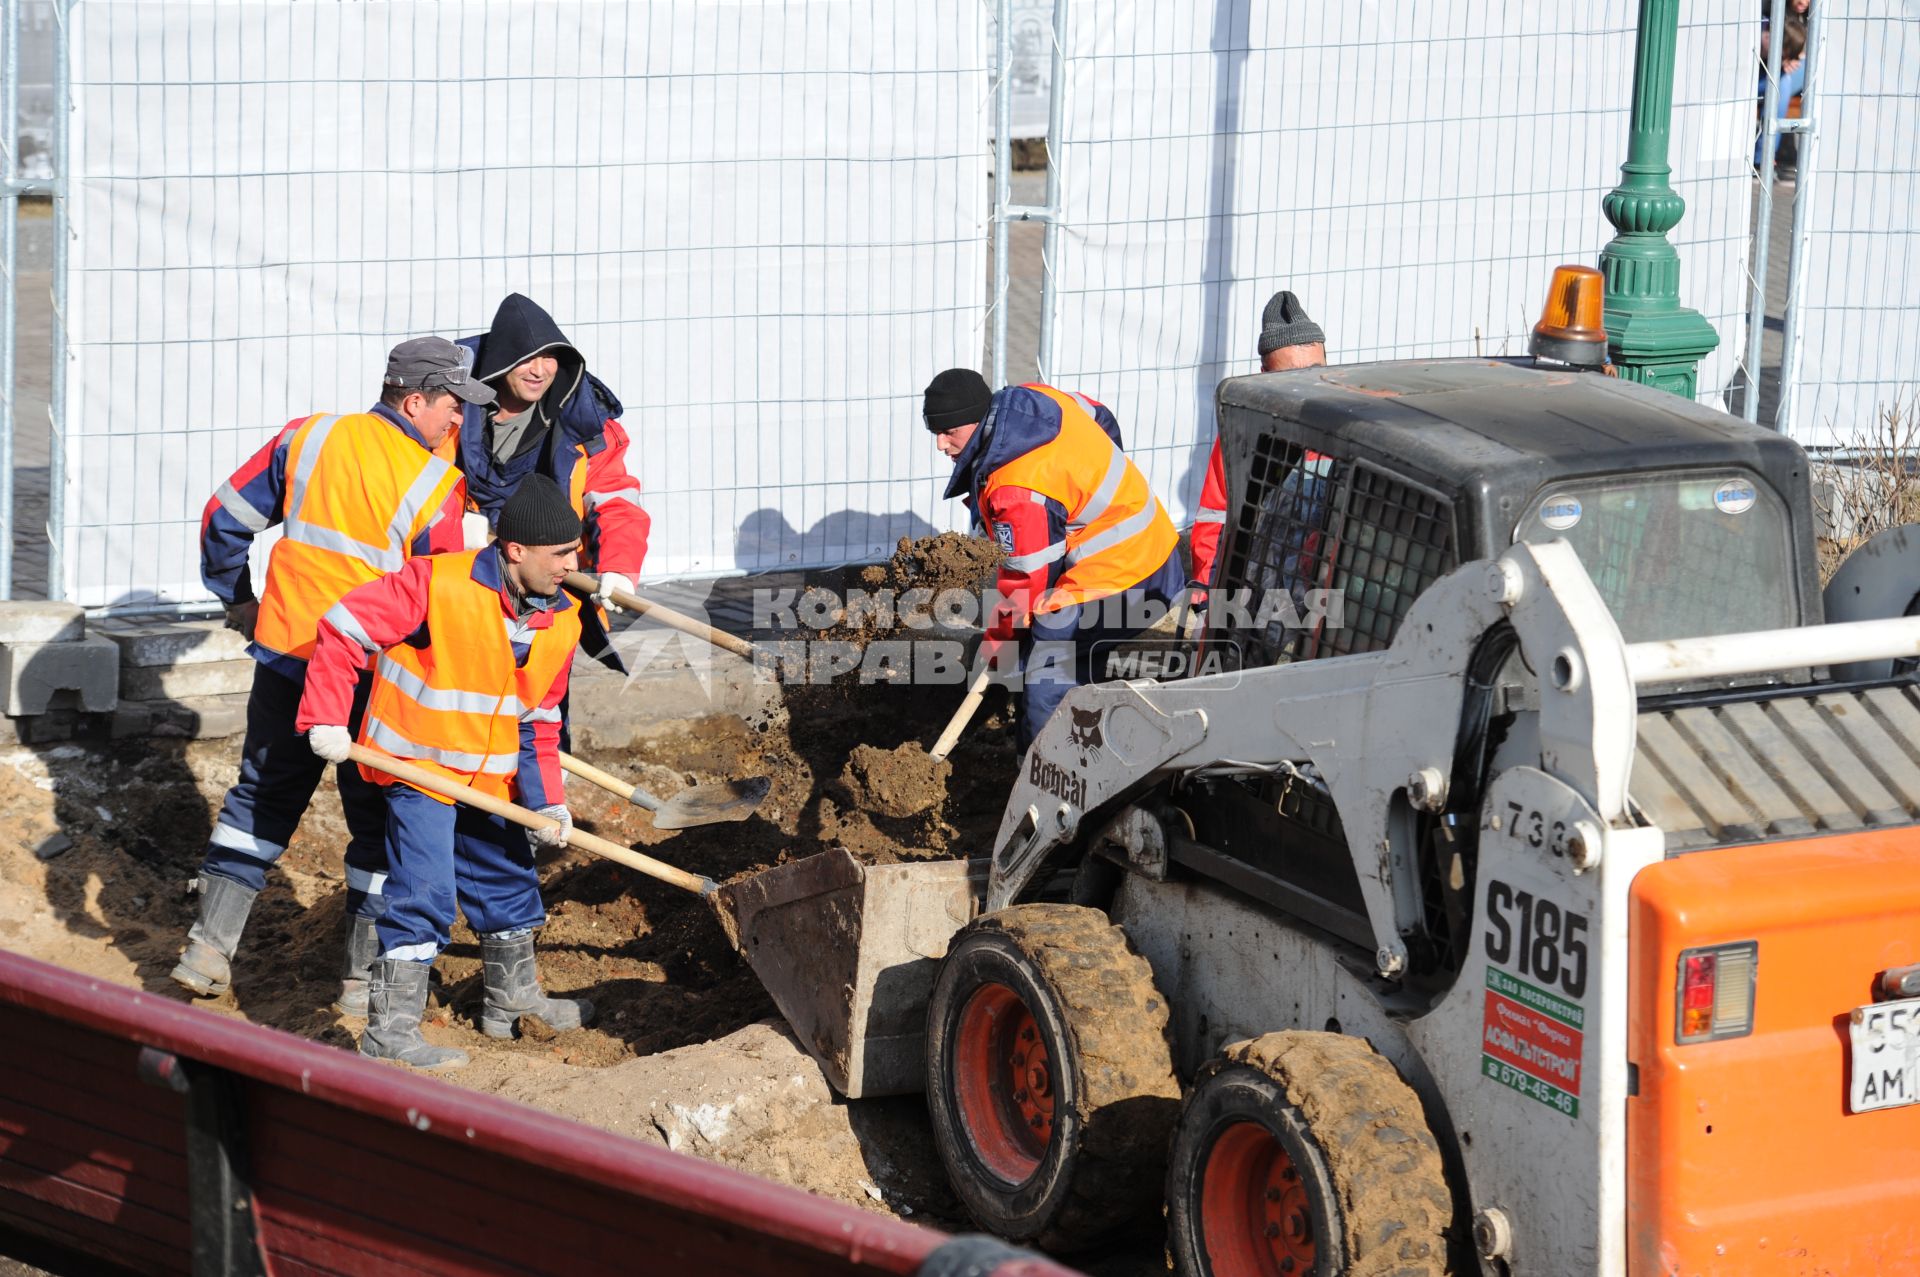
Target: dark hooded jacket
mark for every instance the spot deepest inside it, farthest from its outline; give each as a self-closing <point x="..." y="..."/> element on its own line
<point x="577" y="406"/>
<point x="581" y="439"/>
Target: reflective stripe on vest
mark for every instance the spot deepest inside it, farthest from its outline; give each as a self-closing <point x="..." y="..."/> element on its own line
<point x="310" y="441"/>
<point x="446" y="699"/>
<point x="359" y="492"/>
<point x="1118" y="534"/>
<point x="383" y="737"/>
<point x="456" y="706"/>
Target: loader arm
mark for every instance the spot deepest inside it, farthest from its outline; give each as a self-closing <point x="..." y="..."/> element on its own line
<point x="1373" y="725"/>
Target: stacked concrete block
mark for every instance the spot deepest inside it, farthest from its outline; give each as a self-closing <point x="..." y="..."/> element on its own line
<point x="179" y="678"/>
<point x="51" y="670"/>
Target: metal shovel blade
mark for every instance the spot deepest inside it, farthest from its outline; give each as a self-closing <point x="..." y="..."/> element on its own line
<point x="711" y="803"/>
<point x="849" y="951"/>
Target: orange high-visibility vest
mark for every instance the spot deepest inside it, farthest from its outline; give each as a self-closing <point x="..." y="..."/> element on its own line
<point x="577" y="494"/>
<point x="455" y="706"/>
<point x="1118" y="533"/>
<point x="358" y="492"/>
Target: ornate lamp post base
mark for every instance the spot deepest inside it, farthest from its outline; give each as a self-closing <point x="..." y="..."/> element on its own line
<point x="1651" y="337"/>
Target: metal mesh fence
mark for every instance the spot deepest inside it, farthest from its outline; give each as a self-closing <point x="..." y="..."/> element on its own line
<point x="1412" y="172"/>
<point x="1853" y="342"/>
<point x="763" y="224"/>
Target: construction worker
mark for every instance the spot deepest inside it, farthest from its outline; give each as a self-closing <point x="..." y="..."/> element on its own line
<point x="355" y="496"/>
<point x="553" y="417"/>
<point x="1288" y="339"/>
<point x="470" y="656"/>
<point x="1043" y="469"/>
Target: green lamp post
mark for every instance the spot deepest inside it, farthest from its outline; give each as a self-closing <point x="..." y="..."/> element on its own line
<point x="1651" y="337"/>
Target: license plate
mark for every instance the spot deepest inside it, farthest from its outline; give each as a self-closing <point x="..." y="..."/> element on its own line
<point x="1884" y="1062"/>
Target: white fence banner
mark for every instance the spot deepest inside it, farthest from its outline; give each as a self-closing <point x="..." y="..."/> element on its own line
<point x="1412" y="171"/>
<point x="762" y="222"/>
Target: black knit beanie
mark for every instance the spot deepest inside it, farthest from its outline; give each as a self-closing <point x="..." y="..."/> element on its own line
<point x="538" y="513"/>
<point x="1285" y="323"/>
<point x="957" y="397"/>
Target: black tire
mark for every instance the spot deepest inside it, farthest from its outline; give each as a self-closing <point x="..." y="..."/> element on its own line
<point x="1305" y="1149"/>
<point x="1104" y="1080"/>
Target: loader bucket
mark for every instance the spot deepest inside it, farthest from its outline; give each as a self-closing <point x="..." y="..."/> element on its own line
<point x="849" y="953"/>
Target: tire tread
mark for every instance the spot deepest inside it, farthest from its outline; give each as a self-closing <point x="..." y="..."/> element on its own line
<point x="1372" y="1131"/>
<point x="1118" y="1020"/>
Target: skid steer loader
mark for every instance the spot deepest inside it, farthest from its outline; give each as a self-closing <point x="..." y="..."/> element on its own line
<point x="1556" y="911"/>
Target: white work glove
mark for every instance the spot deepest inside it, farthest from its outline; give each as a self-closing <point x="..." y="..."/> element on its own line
<point x="474" y="532"/>
<point x="329" y="741"/>
<point x="609" y="582"/>
<point x="553" y="836"/>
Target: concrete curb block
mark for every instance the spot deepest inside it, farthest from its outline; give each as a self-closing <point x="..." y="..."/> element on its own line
<point x="34" y="673"/>
<point x="32" y="622"/>
<point x="179" y="682"/>
<point x="145" y="644"/>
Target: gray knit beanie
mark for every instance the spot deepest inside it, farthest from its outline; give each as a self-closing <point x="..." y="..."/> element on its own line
<point x="1284" y="323"/>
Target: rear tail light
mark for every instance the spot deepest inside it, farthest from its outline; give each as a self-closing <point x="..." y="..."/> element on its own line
<point x="1715" y="994"/>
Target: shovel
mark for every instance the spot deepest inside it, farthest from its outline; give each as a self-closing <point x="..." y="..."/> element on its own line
<point x="961" y="717"/>
<point x="587" y="585"/>
<point x="435" y="783"/>
<point x="709" y="804"/>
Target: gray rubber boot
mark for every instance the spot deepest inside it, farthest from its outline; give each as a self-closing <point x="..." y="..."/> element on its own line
<point x="207" y="965"/>
<point x="513" y="990"/>
<point x="362" y="948"/>
<point x="396" y="998"/>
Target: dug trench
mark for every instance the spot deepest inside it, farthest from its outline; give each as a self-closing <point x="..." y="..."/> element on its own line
<point x="686" y="1049"/>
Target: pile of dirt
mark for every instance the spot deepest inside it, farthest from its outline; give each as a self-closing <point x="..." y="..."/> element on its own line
<point x="949" y="561"/>
<point x="903" y="781"/>
<point x="99" y="839"/>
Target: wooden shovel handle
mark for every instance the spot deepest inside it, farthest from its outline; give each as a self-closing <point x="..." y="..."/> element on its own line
<point x="434" y="783"/>
<point x="665" y="615"/>
<point x="962" y="716"/>
<point x="608" y="781"/>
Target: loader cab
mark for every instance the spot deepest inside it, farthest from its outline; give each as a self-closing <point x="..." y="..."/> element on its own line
<point x="1352" y="489"/>
<point x="1368" y="482"/>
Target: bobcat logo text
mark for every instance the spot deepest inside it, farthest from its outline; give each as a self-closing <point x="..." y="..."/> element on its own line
<point x="1056" y="780"/>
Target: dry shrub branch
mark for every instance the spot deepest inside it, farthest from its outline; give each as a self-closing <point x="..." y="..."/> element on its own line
<point x="1870" y="486"/>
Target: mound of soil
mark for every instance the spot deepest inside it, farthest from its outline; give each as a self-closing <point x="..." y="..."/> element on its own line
<point x="949" y="561"/>
<point x="895" y="782"/>
<point x="847" y="767"/>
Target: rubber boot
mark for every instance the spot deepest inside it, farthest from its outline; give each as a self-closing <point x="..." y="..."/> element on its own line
<point x="207" y="965"/>
<point x="362" y="948"/>
<point x="396" y="997"/>
<point x="513" y="990"/>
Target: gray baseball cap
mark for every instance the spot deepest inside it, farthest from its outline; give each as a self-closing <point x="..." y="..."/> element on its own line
<point x="434" y="363"/>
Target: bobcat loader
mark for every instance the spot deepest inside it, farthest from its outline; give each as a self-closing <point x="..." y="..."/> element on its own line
<point x="1552" y="909"/>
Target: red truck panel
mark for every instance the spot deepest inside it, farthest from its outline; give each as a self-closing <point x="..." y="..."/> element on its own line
<point x="357" y="1167"/>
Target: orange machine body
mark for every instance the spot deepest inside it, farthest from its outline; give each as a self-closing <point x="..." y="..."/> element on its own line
<point x="1743" y="1156"/>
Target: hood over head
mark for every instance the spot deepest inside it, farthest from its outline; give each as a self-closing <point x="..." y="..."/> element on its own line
<point x="577" y="407"/>
<point x="522" y="329"/>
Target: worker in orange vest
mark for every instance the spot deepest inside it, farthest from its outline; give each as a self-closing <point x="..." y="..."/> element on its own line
<point x="1288" y="339"/>
<point x="354" y="495"/>
<point x="470" y="655"/>
<point x="1081" y="531"/>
